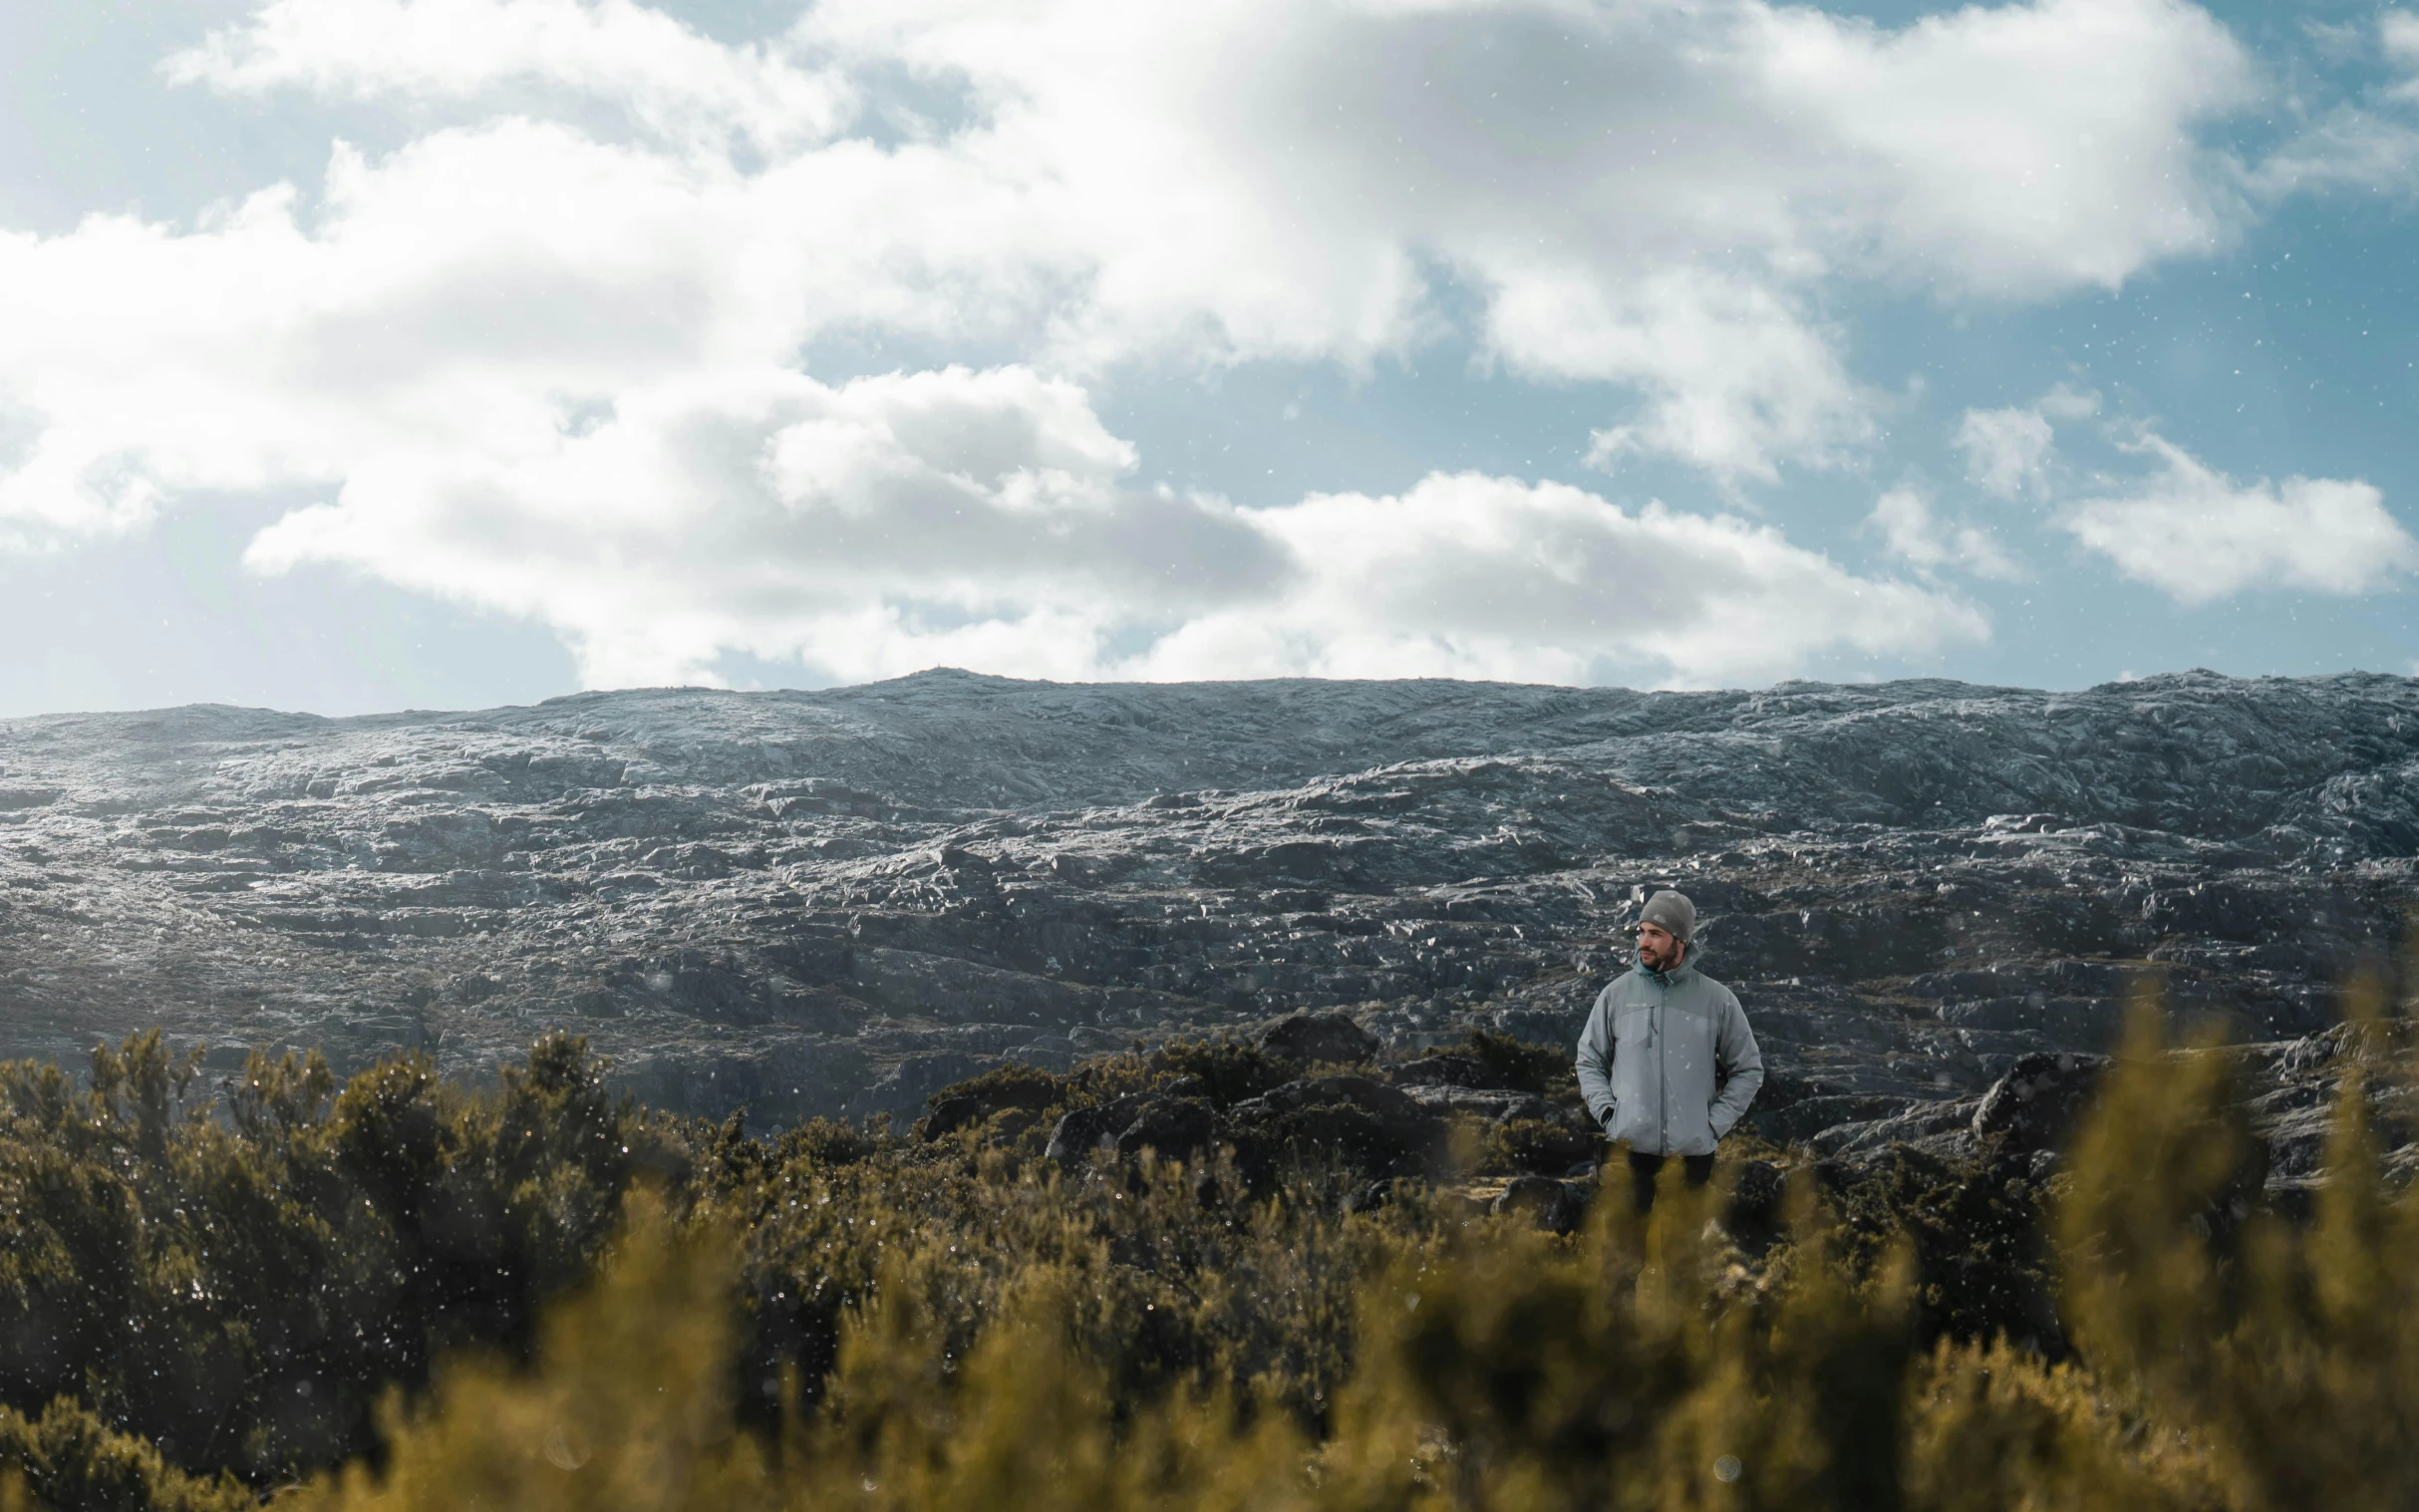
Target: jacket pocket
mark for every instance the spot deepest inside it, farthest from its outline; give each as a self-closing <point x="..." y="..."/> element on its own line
<point x="1692" y="1130"/>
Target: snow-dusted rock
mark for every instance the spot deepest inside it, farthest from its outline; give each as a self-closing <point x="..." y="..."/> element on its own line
<point x="822" y="902"/>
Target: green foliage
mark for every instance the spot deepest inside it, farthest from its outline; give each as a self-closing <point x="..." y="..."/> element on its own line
<point x="407" y="1296"/>
<point x="74" y="1462"/>
<point x="1546" y="1146"/>
<point x="826" y="1143"/>
<point x="629" y="1405"/>
<point x="1228" y="1071"/>
<point x="2291" y="1351"/>
<point x="1982" y="1267"/>
<point x="1497" y="1367"/>
<point x="1007" y="1089"/>
<point x="237" y="1292"/>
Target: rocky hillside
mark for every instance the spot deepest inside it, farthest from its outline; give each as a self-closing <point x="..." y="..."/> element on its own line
<point x="840" y="902"/>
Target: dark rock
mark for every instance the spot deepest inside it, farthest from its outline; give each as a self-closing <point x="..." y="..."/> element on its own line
<point x="1332" y="1136"/>
<point x="1319" y="1040"/>
<point x="1804" y="1118"/>
<point x="1349" y="1122"/>
<point x="1453" y="1068"/>
<point x="1374" y="1098"/>
<point x="1757" y="1194"/>
<point x="1085" y="1129"/>
<point x="913" y="1079"/>
<point x="1943" y="1129"/>
<point x="1549" y="1203"/>
<point x="1177" y="1127"/>
<point x="949" y="1114"/>
<point x="1553" y="1141"/>
<point x="967" y="1103"/>
<point x="1782" y="1088"/>
<point x="1369" y="1197"/>
<point x="2035" y="1106"/>
<point x="1485" y="1103"/>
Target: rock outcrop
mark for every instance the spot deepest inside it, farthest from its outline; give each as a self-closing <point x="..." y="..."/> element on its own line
<point x="843" y="902"/>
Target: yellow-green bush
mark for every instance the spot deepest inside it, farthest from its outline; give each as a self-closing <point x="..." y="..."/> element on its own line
<point x="68" y="1457"/>
<point x="2289" y="1352"/>
<point x="678" y="1317"/>
<point x="238" y="1281"/>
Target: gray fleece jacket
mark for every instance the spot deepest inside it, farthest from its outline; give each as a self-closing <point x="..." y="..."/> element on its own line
<point x="1648" y="1055"/>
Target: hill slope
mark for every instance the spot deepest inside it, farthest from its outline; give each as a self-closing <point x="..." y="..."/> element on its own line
<point x="825" y="902"/>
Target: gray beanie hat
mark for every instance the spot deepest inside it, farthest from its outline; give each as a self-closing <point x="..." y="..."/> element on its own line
<point x="1673" y="912"/>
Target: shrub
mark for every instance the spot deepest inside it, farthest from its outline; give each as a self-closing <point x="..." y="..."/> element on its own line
<point x="74" y="1462"/>
<point x="2292" y="1351"/>
<point x="409" y="1296"/>
<point x="238" y="1293"/>
<point x="1228" y="1071"/>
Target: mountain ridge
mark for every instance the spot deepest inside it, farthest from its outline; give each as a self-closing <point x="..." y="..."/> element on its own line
<point x="835" y="901"/>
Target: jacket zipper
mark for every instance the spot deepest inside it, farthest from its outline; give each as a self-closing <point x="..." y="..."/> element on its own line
<point x="1663" y="1053"/>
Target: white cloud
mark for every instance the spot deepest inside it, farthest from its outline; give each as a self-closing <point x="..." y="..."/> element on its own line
<point x="1731" y="376"/>
<point x="553" y="370"/>
<point x="1914" y="532"/>
<point x="973" y="518"/>
<point x="1468" y="576"/>
<point x="2029" y="148"/>
<point x="671" y="79"/>
<point x="2198" y="536"/>
<point x="450" y="305"/>
<point x="1648" y="196"/>
<point x="2008" y="452"/>
<point x="894" y="518"/>
<point x="2398" y="36"/>
<point x="2369" y="143"/>
<point x="2350" y="147"/>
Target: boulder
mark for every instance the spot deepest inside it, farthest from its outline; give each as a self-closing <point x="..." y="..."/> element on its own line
<point x="949" y="1114"/>
<point x="1450" y="1068"/>
<point x="1493" y="1103"/>
<point x="1085" y="1129"/>
<point x="1390" y="1103"/>
<point x="1333" y="1137"/>
<point x="1552" y="1205"/>
<point x="966" y="1104"/>
<point x="2035" y="1106"/>
<point x="1320" y="1038"/>
<point x="1757" y="1194"/>
<point x="1177" y="1127"/>
<point x="1348" y="1121"/>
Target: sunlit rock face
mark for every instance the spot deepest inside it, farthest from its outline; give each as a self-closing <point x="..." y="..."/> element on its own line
<point x="840" y="902"/>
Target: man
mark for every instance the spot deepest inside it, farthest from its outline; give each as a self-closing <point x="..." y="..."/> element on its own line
<point x="1666" y="1063"/>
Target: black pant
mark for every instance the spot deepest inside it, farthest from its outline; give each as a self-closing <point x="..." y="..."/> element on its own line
<point x="1643" y="1168"/>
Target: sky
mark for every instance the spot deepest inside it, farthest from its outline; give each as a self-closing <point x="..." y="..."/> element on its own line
<point x="370" y="354"/>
